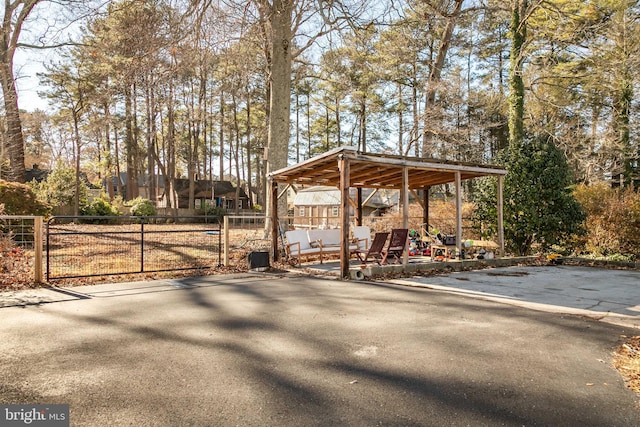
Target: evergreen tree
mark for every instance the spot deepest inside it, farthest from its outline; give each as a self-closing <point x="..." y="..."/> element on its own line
<point x="539" y="207"/>
<point x="59" y="189"/>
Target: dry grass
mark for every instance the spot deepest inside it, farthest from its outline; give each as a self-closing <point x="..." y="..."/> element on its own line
<point x="626" y="359"/>
<point x="16" y="264"/>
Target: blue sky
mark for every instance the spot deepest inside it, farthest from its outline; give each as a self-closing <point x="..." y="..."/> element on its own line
<point x="26" y="66"/>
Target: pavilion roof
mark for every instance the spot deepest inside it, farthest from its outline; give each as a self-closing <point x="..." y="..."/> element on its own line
<point x="372" y="170"/>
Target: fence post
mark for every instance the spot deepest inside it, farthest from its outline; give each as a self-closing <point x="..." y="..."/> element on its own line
<point x="38" y="244"/>
<point x="226" y="241"/>
<point x="142" y="219"/>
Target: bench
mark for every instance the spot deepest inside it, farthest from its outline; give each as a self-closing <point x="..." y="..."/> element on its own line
<point x="306" y="243"/>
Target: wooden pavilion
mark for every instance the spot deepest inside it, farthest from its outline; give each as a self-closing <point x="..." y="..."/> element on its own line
<point x="345" y="168"/>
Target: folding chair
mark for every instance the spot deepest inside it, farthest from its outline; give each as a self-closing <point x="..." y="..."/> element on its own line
<point x="375" y="250"/>
<point x="397" y="244"/>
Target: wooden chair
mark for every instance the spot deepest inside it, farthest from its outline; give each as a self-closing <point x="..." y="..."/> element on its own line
<point x="397" y="245"/>
<point x="376" y="249"/>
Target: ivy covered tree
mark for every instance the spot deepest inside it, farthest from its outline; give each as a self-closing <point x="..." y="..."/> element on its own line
<point x="539" y="206"/>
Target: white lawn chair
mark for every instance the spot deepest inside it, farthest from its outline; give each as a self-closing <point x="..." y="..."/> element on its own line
<point x="362" y="237"/>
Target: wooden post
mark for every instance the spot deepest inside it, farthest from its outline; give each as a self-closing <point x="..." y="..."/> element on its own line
<point x="343" y="164"/>
<point x="425" y="209"/>
<point x="359" y="202"/>
<point x="274" y="222"/>
<point x="405" y="209"/>
<point x="225" y="262"/>
<point x="38" y="244"/>
<point x="458" y="213"/>
<point x="501" y="214"/>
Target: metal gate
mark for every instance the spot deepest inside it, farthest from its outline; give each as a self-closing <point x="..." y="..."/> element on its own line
<point x="82" y="246"/>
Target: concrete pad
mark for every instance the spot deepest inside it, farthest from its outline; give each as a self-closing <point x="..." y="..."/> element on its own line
<point x="609" y="295"/>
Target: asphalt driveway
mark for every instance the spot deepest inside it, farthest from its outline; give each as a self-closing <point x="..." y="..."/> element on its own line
<point x="264" y="350"/>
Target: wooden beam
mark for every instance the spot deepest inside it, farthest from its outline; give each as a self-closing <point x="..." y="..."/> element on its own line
<point x="370" y="196"/>
<point x="284" y="190"/>
<point x="417" y="197"/>
<point x="429" y="165"/>
<point x="353" y="203"/>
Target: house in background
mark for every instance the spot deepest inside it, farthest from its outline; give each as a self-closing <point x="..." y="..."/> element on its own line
<point x="117" y="186"/>
<point x="223" y="193"/>
<point x="320" y="206"/>
<point x="36" y="174"/>
<point x="620" y="179"/>
<point x="39" y="175"/>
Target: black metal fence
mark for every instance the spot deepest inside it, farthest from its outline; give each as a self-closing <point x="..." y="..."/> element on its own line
<point x="81" y="246"/>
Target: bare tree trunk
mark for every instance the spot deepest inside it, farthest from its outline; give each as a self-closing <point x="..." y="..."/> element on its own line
<point x="400" y="120"/>
<point x="14" y="15"/>
<point x="436" y="71"/>
<point x="170" y="176"/>
<point x="362" y="137"/>
<point x="248" y="149"/>
<point x="221" y="135"/>
<point x="132" y="175"/>
<point x="13" y="139"/>
<point x="236" y="151"/>
<point x="280" y="86"/>
<point x="516" y="86"/>
<point x="414" y="103"/>
<point x="190" y="164"/>
<point x="297" y="127"/>
<point x="108" y="167"/>
<point x="77" y="144"/>
<point x="116" y="142"/>
<point x="338" y="125"/>
<point x="309" y="148"/>
<point x="150" y="142"/>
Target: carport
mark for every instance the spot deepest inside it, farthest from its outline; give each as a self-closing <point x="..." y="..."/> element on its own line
<point x="346" y="167"/>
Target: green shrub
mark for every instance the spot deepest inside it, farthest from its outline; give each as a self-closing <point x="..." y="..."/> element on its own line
<point x="100" y="207"/>
<point x="142" y="207"/>
<point x="217" y="212"/>
<point x="19" y="199"/>
<point x="539" y="207"/>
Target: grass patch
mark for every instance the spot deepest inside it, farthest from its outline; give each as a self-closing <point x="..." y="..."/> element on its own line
<point x="626" y="359"/>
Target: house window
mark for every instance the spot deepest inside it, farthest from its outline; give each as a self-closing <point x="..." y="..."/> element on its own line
<point x="301" y="211"/>
<point x="335" y="210"/>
